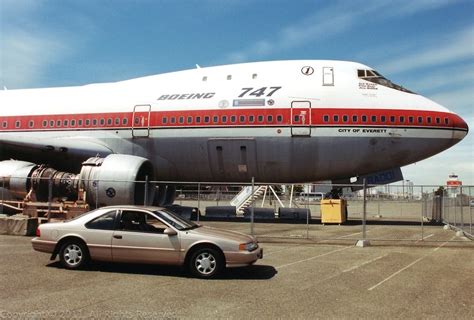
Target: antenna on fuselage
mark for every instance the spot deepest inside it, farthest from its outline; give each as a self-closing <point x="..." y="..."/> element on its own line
<point x="5" y="88"/>
<point x="198" y="66"/>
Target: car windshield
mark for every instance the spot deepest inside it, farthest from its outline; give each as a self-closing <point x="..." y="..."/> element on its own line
<point x="175" y="221"/>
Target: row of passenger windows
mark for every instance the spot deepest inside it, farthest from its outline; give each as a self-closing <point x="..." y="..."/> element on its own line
<point x="73" y="123"/>
<point x="231" y="119"/>
<point x="221" y="119"/>
<point x="384" y="119"/>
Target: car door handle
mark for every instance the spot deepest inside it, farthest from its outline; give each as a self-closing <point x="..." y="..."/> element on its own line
<point x="117" y="236"/>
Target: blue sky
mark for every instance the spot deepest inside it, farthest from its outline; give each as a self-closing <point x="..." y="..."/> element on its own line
<point x="425" y="45"/>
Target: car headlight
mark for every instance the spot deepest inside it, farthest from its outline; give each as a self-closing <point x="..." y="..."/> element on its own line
<point x="251" y="246"/>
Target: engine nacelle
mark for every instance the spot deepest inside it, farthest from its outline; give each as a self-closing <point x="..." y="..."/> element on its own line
<point x="118" y="179"/>
<point x="115" y="179"/>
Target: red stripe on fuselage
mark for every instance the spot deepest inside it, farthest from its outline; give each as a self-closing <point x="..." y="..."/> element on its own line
<point x="233" y="117"/>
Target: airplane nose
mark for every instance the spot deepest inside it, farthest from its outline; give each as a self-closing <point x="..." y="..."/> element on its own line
<point x="460" y="127"/>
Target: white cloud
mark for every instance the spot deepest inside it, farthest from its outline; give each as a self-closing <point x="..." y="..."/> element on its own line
<point x="25" y="57"/>
<point x="331" y="20"/>
<point x="457" y="48"/>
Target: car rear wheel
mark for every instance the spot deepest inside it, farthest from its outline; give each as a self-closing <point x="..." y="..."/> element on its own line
<point x="73" y="255"/>
<point x="206" y="263"/>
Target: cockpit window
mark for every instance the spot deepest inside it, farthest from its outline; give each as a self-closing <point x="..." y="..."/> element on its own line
<point x="375" y="77"/>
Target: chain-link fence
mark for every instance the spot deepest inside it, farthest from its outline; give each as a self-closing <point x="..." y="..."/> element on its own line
<point x="280" y="211"/>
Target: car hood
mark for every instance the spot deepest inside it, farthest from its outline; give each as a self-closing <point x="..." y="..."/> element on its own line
<point x="219" y="233"/>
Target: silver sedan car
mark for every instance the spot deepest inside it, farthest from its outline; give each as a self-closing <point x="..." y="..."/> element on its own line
<point x="145" y="235"/>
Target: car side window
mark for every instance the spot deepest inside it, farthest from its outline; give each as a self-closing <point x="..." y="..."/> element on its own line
<point x="141" y="222"/>
<point x="104" y="222"/>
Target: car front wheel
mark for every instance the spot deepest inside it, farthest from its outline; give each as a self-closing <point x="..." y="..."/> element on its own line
<point x="73" y="255"/>
<point x="206" y="263"/>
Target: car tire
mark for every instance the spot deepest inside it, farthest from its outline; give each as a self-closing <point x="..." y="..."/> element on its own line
<point x="73" y="255"/>
<point x="206" y="263"/>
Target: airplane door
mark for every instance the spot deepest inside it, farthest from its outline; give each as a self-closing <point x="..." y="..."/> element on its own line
<point x="301" y="118"/>
<point x="141" y="121"/>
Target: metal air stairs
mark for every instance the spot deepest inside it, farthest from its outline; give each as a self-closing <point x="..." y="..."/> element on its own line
<point x="246" y="197"/>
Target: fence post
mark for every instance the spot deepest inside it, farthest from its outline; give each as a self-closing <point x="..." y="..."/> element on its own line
<point x="199" y="201"/>
<point x="50" y="197"/>
<point x="461" y="204"/>
<point x="252" y="209"/>
<point x="145" y="200"/>
<point x="364" y="242"/>
<point x="3" y="188"/>
<point x="422" y="225"/>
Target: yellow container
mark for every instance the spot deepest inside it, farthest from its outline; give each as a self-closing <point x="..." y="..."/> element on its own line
<point x="333" y="211"/>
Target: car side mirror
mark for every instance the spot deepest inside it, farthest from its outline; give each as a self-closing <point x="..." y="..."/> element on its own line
<point x="170" y="232"/>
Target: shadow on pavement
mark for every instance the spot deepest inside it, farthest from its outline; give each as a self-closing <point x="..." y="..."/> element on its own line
<point x="253" y="272"/>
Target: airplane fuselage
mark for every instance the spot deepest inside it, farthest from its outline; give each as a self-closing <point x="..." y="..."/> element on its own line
<point x="279" y="122"/>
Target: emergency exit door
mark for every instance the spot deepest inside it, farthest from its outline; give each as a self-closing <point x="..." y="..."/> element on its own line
<point x="141" y="121"/>
<point x="301" y="118"/>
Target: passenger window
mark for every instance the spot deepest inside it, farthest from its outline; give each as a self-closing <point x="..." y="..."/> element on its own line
<point x="392" y="119"/>
<point x="269" y="118"/>
<point x="172" y="120"/>
<point x="296" y="118"/>
<point x="79" y="122"/>
<point x="373" y="118"/>
<point x="31" y="124"/>
<point x="51" y="123"/>
<point x="17" y="124"/>
<point x="117" y="121"/>
<point x="279" y="118"/>
<point x="94" y="122"/>
<point x="251" y="119"/>
<point x="58" y="123"/>
<point x="345" y="118"/>
<point x="141" y="222"/>
<point x="198" y="119"/>
<point x="224" y="119"/>
<point x="364" y="118"/>
<point x="181" y="119"/>
<point x="215" y="119"/>
<point x="420" y="120"/>
<point x="4" y="124"/>
<point x="335" y="118"/>
<point x="45" y="124"/>
<point x="124" y="121"/>
<point x="190" y="120"/>
<point x="65" y="123"/>
<point x="207" y="119"/>
<point x="446" y="121"/>
<point x="104" y="222"/>
<point x="355" y="118"/>
<point x="411" y="119"/>
<point x="73" y="123"/>
<point x="260" y="118"/>
<point x="326" y="118"/>
<point x="233" y="119"/>
<point x="102" y="121"/>
<point x="88" y="122"/>
<point x="438" y="120"/>
<point x="109" y="121"/>
<point x="402" y="119"/>
<point x="428" y="120"/>
<point x="242" y="119"/>
<point x="383" y="119"/>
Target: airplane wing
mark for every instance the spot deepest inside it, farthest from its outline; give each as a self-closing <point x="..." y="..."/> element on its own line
<point x="63" y="152"/>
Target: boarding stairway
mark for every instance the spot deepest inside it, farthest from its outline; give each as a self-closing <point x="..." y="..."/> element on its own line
<point x="249" y="194"/>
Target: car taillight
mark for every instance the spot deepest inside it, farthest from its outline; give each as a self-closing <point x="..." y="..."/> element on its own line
<point x="38" y="232"/>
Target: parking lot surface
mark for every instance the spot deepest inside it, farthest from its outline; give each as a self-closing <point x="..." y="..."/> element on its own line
<point x="296" y="279"/>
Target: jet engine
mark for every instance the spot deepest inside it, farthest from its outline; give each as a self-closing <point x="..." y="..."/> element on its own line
<point x="115" y="179"/>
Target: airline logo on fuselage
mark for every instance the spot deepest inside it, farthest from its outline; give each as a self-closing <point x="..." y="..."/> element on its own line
<point x="187" y="96"/>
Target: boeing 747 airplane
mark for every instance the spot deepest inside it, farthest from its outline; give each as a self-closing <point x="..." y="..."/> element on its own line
<point x="277" y="121"/>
